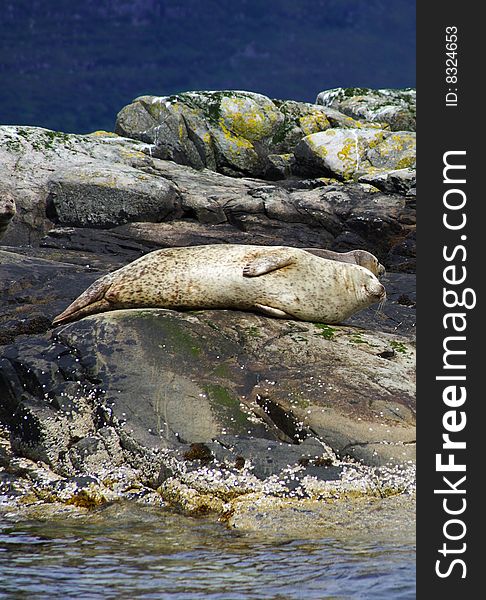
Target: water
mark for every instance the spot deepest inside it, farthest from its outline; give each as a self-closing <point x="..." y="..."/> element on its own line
<point x="143" y="552"/>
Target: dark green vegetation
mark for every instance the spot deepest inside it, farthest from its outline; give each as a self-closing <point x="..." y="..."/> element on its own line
<point x="398" y="347"/>
<point x="71" y="66"/>
<point x="325" y="331"/>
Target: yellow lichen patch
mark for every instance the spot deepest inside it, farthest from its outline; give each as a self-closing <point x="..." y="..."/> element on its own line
<point x="245" y="118"/>
<point x="397" y="151"/>
<point x="182" y="131"/>
<point x="349" y="155"/>
<point x="124" y="153"/>
<point x="317" y="148"/>
<point x="348" y="149"/>
<point x="374" y="125"/>
<point x="378" y="139"/>
<point x="154" y="105"/>
<point x="329" y="180"/>
<point x="406" y="162"/>
<point x="370" y="170"/>
<point x="102" y="133"/>
<point x="236" y="142"/>
<point x="403" y="138"/>
<point x="352" y="123"/>
<point x="314" y="122"/>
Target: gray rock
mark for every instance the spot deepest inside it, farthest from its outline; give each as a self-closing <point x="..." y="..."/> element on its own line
<point x="394" y="107"/>
<point x="401" y="181"/>
<point x="31" y="288"/>
<point x="279" y="166"/>
<point x="31" y="156"/>
<point x="232" y="132"/>
<point x="106" y="181"/>
<point x="351" y="153"/>
<point x="220" y="130"/>
<point x="105" y="195"/>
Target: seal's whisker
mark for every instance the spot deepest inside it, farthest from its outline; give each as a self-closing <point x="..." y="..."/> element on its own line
<point x="380" y="309"/>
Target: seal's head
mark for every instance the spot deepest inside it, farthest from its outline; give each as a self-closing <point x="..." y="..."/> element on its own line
<point x="372" y="289"/>
<point x="369" y="261"/>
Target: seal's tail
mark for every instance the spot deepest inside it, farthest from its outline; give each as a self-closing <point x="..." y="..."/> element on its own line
<point x="90" y="302"/>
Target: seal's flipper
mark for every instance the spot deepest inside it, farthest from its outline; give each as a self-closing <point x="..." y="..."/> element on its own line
<point x="90" y="302"/>
<point x="268" y="263"/>
<point x="272" y="312"/>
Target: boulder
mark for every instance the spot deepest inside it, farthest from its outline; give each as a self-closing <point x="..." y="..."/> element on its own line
<point x="394" y="108"/>
<point x="232" y="132"/>
<point x="106" y="195"/>
<point x="401" y="181"/>
<point x="217" y="130"/>
<point x="31" y="156"/>
<point x="351" y="153"/>
<point x="162" y="379"/>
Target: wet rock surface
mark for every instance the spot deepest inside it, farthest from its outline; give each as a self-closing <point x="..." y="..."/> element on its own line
<point x="164" y="398"/>
<point x="200" y="410"/>
<point x="169" y="378"/>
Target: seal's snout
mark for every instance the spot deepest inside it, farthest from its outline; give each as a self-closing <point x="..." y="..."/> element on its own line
<point x="376" y="289"/>
<point x="381" y="270"/>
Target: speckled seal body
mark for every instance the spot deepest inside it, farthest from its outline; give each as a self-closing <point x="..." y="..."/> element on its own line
<point x="277" y="281"/>
<point x="7" y="210"/>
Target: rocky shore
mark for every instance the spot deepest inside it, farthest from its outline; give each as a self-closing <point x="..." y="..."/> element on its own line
<point x="207" y="411"/>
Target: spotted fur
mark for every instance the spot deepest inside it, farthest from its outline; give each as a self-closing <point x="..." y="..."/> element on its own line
<point x="275" y="280"/>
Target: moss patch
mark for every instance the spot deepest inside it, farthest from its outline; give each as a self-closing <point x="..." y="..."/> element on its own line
<point x="226" y="405"/>
<point x="220" y="394"/>
<point x="398" y="347"/>
<point x="325" y="331"/>
<point x="253" y="332"/>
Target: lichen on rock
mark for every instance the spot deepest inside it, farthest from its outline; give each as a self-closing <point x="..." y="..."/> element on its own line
<point x="351" y="153"/>
<point x="394" y="108"/>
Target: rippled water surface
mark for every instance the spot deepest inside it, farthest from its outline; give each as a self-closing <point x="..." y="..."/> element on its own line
<point x="122" y="552"/>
